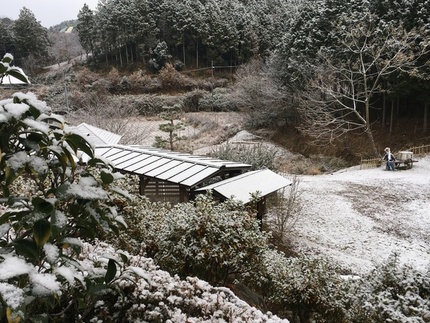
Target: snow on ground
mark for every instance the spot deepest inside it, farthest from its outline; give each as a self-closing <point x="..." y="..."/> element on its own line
<point x="358" y="217"/>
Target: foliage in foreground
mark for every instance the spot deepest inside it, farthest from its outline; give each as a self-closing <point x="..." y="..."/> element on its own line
<point x="391" y="293"/>
<point x="153" y="295"/>
<point x="45" y="219"/>
<point x="214" y="241"/>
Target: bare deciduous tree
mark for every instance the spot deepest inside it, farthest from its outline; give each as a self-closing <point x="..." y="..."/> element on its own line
<point x="338" y="100"/>
<point x="64" y="46"/>
<point x="286" y="208"/>
<point x="257" y="93"/>
<point x="103" y="112"/>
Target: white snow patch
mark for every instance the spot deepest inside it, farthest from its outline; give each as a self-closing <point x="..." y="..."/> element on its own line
<point x="359" y="217"/>
<point x="16" y="109"/>
<point x="44" y="284"/>
<point x="12" y="267"/>
<point x="69" y="274"/>
<point x="51" y="252"/>
<point x="86" y="188"/>
<point x="17" y="161"/>
<point x="32" y="100"/>
<point x="12" y="295"/>
<point x="37" y="125"/>
<point x="73" y="241"/>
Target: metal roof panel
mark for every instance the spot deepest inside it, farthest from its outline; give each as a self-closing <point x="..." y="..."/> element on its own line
<point x="181" y="168"/>
<point x="199" y="177"/>
<point x="96" y="136"/>
<point x="163" y="168"/>
<point x="175" y="171"/>
<point x="153" y="166"/>
<point x="142" y="163"/>
<point x="130" y="156"/>
<point x="183" y="175"/>
<point x="242" y="186"/>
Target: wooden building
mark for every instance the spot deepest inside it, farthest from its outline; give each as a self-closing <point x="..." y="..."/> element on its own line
<point x="169" y="176"/>
<point x="178" y="177"/>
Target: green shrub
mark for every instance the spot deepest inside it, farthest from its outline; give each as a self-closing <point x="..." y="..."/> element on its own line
<point x="309" y="288"/>
<point x="390" y="293"/>
<point x="210" y="240"/>
<point x="216" y="100"/>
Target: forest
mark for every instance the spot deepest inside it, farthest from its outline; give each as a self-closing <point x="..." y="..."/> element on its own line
<point x="77" y="245"/>
<point x="341" y="67"/>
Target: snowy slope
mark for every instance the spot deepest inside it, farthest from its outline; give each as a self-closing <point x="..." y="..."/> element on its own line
<point x="359" y="217"/>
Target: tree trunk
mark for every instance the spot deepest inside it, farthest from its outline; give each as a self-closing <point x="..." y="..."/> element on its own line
<point x="425" y="118"/>
<point x="367" y="108"/>
<point x="392" y="116"/>
<point x="197" y="53"/>
<point x="372" y="141"/>
<point x="183" y="49"/>
<point x="384" y="104"/>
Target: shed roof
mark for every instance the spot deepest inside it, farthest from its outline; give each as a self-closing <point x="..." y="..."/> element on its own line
<point x="96" y="136"/>
<point x="175" y="167"/>
<point x="242" y="186"/>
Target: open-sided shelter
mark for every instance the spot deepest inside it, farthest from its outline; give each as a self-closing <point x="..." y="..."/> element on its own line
<point x="245" y="187"/>
<point x="166" y="175"/>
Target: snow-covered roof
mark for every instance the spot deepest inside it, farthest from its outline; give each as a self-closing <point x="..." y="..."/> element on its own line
<point x="11" y="80"/>
<point x="96" y="136"/>
<point x="175" y="167"/>
<point x="242" y="186"/>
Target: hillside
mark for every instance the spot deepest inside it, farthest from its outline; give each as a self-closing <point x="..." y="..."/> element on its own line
<point x="365" y="214"/>
<point x="354" y="217"/>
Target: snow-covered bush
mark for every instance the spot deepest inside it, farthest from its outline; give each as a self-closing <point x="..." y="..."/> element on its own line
<point x="144" y="220"/>
<point x="216" y="100"/>
<point x="391" y="293"/>
<point x="153" y="295"/>
<point x="306" y="287"/>
<point x="210" y="240"/>
<point x="258" y="156"/>
<point x="63" y="203"/>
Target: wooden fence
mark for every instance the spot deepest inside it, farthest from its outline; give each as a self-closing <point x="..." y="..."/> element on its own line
<point x="420" y="150"/>
<point x="376" y="162"/>
<point x="370" y="163"/>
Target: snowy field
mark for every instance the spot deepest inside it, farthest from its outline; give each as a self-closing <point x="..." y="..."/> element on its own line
<point x="358" y="217"/>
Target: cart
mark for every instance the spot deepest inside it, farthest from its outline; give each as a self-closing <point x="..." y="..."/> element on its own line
<point x="405" y="160"/>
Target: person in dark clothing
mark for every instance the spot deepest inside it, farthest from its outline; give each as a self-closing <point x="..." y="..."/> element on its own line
<point x="390" y="159"/>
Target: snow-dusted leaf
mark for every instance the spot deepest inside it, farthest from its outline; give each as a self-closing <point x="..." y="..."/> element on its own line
<point x="26" y="248"/>
<point x="107" y="178"/>
<point x="111" y="271"/>
<point x="41" y="232"/>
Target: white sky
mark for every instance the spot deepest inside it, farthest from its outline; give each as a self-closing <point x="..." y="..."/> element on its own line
<point x="48" y="12"/>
